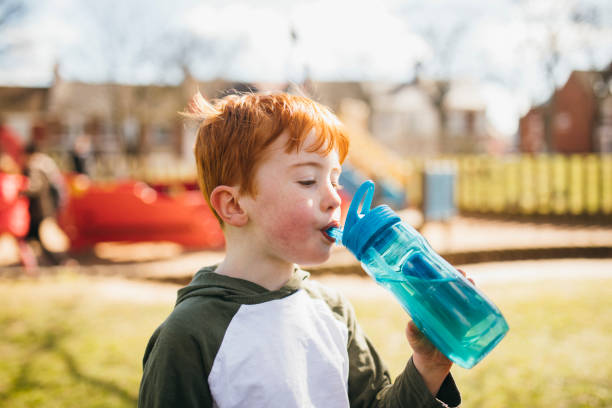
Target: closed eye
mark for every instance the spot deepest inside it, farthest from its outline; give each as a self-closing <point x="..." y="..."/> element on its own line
<point x="307" y="182"/>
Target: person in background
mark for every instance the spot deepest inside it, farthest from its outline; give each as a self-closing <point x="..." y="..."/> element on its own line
<point x="81" y="154"/>
<point x="47" y="194"/>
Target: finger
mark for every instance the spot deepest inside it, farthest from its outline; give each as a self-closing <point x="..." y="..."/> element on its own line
<point x="418" y="341"/>
<point x="412" y="331"/>
<point x="466" y="276"/>
<point x="412" y="327"/>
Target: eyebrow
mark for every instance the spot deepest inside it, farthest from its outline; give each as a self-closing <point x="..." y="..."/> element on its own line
<point x="313" y="164"/>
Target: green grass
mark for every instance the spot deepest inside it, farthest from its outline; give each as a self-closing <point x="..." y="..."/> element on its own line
<point x="68" y="342"/>
<point x="72" y="341"/>
<point x="558" y="352"/>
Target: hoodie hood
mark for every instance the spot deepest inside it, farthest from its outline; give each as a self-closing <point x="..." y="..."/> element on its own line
<point x="207" y="283"/>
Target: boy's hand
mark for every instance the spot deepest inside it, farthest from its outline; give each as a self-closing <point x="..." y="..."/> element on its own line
<point x="428" y="360"/>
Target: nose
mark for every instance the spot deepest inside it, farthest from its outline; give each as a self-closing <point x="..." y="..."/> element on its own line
<point x="331" y="199"/>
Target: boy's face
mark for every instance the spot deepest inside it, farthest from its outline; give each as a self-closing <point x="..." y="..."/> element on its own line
<point x="296" y="201"/>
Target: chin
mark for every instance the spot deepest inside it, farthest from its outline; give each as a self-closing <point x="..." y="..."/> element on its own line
<point x="314" y="259"/>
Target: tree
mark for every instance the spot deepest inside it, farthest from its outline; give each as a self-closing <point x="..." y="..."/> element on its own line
<point x="11" y="13"/>
<point x="557" y="32"/>
<point x="444" y="37"/>
<point x="444" y="44"/>
<point x="128" y="42"/>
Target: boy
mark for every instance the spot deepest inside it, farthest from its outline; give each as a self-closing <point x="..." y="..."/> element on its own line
<point x="254" y="331"/>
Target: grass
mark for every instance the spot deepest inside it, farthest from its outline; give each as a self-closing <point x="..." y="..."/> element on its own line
<point x="557" y="353"/>
<point x="71" y="341"/>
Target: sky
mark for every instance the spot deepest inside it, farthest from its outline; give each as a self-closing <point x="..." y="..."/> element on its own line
<point x="501" y="45"/>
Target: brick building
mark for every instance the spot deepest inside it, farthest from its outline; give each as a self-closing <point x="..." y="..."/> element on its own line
<point x="577" y="119"/>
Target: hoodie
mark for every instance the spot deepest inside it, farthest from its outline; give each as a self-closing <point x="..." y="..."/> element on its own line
<point x="232" y="343"/>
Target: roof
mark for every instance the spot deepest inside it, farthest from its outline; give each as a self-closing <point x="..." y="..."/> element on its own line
<point x="157" y="102"/>
<point x="596" y="83"/>
<point x="22" y="99"/>
<point x="332" y="93"/>
<point x="464" y="96"/>
<point x="403" y="99"/>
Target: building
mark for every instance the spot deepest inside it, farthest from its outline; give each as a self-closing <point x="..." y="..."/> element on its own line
<point x="22" y="108"/>
<point x="137" y="119"/>
<point x="422" y="118"/>
<point x="404" y="118"/>
<point x="531" y="131"/>
<point x="465" y="128"/>
<point x="577" y="118"/>
<point x="430" y="117"/>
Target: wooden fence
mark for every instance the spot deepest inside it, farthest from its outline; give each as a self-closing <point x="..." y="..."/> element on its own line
<point x="513" y="184"/>
<point x="535" y="185"/>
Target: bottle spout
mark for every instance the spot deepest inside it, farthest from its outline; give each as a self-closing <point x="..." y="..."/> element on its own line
<point x="335" y="233"/>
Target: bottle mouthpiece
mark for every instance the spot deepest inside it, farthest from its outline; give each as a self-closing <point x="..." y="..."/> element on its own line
<point x="335" y="233"/>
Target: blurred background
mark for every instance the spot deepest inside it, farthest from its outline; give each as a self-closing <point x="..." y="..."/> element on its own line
<point x="486" y="125"/>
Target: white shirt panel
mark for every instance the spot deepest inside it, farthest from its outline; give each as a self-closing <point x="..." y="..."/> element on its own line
<point x="289" y="352"/>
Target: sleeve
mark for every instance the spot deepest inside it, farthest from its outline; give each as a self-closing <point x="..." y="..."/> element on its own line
<point x="173" y="371"/>
<point x="370" y="383"/>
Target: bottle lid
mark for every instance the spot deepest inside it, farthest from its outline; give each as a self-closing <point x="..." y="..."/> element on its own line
<point x="360" y="228"/>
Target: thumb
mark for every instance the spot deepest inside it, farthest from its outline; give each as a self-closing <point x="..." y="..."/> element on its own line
<point x="417" y="339"/>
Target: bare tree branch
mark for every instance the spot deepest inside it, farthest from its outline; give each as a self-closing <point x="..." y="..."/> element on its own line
<point x="11" y="12"/>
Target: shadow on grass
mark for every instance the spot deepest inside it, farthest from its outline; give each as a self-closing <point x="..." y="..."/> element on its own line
<point x="49" y="341"/>
<point x="107" y="386"/>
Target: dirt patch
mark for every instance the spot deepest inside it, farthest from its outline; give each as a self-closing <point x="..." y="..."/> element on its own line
<point x="133" y="291"/>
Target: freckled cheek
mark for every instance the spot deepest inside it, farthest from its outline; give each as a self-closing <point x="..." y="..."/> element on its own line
<point x="292" y="225"/>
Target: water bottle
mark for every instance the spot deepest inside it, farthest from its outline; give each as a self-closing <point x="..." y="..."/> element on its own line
<point x="454" y="315"/>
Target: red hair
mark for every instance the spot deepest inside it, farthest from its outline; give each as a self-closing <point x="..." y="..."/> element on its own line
<point x="235" y="131"/>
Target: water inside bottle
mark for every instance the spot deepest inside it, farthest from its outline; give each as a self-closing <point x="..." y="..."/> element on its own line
<point x="455" y="316"/>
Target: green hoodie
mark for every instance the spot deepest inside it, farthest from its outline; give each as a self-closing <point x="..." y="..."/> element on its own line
<point x="232" y="343"/>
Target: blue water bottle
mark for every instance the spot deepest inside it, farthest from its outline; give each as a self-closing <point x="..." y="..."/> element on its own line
<point x="454" y="315"/>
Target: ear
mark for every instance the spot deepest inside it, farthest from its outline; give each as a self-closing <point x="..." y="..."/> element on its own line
<point x="224" y="200"/>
